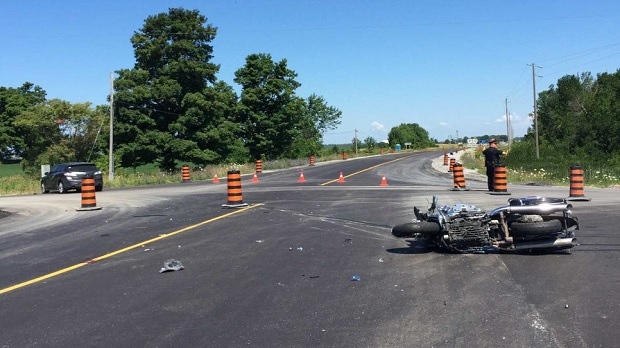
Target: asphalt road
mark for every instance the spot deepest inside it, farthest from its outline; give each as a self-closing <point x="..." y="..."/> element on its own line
<point x="279" y="272"/>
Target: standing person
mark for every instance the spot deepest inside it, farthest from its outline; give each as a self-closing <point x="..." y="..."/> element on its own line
<point x="491" y="158"/>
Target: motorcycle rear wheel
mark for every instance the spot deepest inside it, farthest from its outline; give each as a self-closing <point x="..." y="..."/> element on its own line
<point x="539" y="228"/>
<point x="424" y="228"/>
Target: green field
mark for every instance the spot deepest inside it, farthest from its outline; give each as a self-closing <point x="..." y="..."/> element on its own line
<point x="10" y="170"/>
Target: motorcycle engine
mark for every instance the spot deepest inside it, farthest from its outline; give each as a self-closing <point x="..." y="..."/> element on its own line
<point x="466" y="227"/>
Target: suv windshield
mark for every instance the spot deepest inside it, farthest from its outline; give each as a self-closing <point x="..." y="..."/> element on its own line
<point x="82" y="168"/>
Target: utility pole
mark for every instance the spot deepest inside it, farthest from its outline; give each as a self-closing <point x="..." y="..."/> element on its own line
<point x="535" y="109"/>
<point x="507" y="122"/>
<point x="356" y="142"/>
<point x="111" y="151"/>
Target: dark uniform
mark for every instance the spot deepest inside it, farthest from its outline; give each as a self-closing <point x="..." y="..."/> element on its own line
<point x="491" y="158"/>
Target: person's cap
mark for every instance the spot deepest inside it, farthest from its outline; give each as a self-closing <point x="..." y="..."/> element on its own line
<point x="492" y="141"/>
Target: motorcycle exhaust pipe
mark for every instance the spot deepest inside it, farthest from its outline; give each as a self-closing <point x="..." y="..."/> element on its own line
<point x="540" y="209"/>
<point x="560" y="243"/>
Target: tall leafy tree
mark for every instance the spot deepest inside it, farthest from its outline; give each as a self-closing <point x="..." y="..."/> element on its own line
<point x="603" y="111"/>
<point x="317" y="118"/>
<point x="370" y="142"/>
<point x="167" y="110"/>
<point x="581" y="114"/>
<point x="562" y="109"/>
<point x="410" y="133"/>
<point x="14" y="101"/>
<point x="270" y="113"/>
<point x="60" y="131"/>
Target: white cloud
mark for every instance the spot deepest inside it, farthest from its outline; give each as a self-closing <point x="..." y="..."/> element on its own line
<point x="444" y="124"/>
<point x="376" y="126"/>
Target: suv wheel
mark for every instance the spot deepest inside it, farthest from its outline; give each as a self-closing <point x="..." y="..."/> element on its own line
<point x="43" y="189"/>
<point x="61" y="187"/>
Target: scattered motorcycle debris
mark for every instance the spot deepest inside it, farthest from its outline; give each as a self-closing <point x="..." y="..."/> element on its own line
<point x="171" y="265"/>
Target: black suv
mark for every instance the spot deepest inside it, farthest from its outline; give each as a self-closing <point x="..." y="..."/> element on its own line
<point x="68" y="176"/>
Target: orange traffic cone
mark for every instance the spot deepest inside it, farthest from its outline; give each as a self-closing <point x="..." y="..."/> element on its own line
<point x="383" y="181"/>
<point x="341" y="178"/>
<point x="301" y="177"/>
<point x="255" y="178"/>
<point x="216" y="180"/>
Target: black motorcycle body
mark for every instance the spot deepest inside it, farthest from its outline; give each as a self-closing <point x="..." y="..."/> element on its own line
<point x="530" y="223"/>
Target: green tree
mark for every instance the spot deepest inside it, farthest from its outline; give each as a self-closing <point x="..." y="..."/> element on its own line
<point x="59" y="131"/>
<point x="13" y="102"/>
<point x="167" y="108"/>
<point x="581" y="114"/>
<point x="270" y="113"/>
<point x="370" y="142"/>
<point x="317" y="118"/>
<point x="562" y="109"/>
<point x="409" y="133"/>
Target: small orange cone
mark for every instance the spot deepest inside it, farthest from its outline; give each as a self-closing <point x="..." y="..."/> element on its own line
<point x="216" y="180"/>
<point x="383" y="182"/>
<point x="341" y="178"/>
<point x="255" y="178"/>
<point x="301" y="177"/>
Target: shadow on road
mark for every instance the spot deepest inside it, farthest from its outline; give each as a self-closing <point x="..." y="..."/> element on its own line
<point x="415" y="247"/>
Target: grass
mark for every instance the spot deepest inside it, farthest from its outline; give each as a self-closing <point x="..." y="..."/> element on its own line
<point x="524" y="171"/>
<point x="10" y="169"/>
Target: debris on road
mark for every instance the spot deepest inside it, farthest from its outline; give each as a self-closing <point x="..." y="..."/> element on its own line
<point x="171" y="265"/>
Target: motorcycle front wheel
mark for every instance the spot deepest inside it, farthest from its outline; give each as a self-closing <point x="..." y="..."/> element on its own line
<point x="424" y="228"/>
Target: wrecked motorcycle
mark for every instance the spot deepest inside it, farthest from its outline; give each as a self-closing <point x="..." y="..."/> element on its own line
<point x="530" y="223"/>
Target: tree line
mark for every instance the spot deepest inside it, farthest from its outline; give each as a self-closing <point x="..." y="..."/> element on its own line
<point x="170" y="108"/>
<point x="579" y="120"/>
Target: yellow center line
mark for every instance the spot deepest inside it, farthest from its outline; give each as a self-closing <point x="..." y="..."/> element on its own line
<point x="363" y="170"/>
<point x="138" y="245"/>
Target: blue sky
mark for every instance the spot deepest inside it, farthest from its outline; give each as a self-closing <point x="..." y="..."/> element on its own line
<point x="446" y="65"/>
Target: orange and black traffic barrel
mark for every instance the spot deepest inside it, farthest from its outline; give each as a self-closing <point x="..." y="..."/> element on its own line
<point x="89" y="201"/>
<point x="446" y="159"/>
<point x="451" y="167"/>
<point x="344" y="155"/>
<point x="259" y="166"/>
<point x="235" y="197"/>
<point x="576" y="190"/>
<point x="459" y="177"/>
<point x="185" y="173"/>
<point x="312" y="160"/>
<point x="500" y="180"/>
